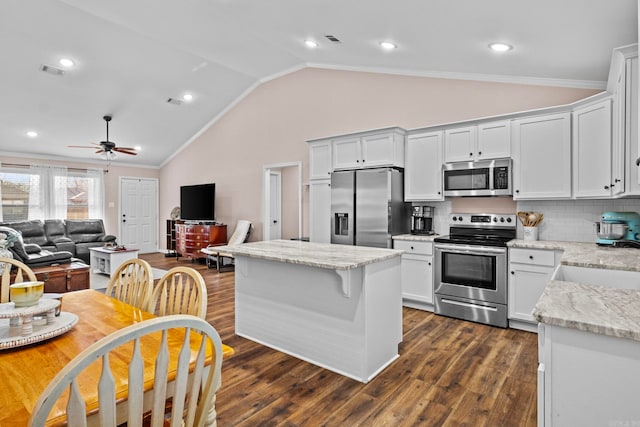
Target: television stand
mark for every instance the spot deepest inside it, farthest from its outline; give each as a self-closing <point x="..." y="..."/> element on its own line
<point x="190" y="238"/>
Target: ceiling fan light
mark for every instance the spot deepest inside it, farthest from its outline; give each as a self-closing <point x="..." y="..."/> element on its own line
<point x="187" y="97"/>
<point x="32" y="134"/>
<point x="137" y="148"/>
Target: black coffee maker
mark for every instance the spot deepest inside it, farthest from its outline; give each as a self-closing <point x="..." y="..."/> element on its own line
<point x="421" y="219"/>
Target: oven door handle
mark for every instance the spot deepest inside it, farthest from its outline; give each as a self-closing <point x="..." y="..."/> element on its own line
<point x="468" y="249"/>
<point x="468" y="304"/>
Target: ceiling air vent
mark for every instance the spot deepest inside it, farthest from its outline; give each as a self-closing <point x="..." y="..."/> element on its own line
<point x="51" y="70"/>
<point x="174" y="101"/>
<point x="334" y="39"/>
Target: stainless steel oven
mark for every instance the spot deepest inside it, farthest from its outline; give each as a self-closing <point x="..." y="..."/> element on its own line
<point x="470" y="280"/>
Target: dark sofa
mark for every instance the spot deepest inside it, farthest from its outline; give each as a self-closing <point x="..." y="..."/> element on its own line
<point x="55" y="240"/>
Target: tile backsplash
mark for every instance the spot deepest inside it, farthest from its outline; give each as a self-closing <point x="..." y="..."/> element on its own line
<point x="566" y="220"/>
<point x="572" y="220"/>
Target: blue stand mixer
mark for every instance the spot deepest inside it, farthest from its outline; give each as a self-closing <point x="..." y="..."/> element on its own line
<point x="620" y="229"/>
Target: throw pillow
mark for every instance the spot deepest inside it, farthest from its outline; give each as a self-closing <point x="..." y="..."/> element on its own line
<point x="18" y="244"/>
<point x="32" y="248"/>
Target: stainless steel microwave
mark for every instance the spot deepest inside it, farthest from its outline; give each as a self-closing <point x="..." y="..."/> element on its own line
<point x="481" y="178"/>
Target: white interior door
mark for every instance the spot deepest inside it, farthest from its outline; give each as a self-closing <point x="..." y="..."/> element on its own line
<point x="139" y="214"/>
<point x="275" y="205"/>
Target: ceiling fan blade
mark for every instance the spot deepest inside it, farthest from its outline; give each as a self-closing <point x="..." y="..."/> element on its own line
<point x="126" y="150"/>
<point x="99" y="151"/>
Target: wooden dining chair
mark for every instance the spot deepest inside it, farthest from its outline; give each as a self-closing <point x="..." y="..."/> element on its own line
<point x="23" y="274"/>
<point x="132" y="283"/>
<point x="181" y="290"/>
<point x="144" y="347"/>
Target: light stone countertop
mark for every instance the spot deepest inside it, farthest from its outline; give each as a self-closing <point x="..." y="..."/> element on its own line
<point x="415" y="237"/>
<point x="589" y="255"/>
<point x="322" y="255"/>
<point x="591" y="308"/>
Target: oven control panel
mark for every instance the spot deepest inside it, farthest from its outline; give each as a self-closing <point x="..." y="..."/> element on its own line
<point x="492" y="220"/>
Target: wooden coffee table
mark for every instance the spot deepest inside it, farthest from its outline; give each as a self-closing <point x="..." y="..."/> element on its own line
<point x="107" y="261"/>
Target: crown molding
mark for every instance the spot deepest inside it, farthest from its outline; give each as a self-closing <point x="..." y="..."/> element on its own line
<point x="496" y="78"/>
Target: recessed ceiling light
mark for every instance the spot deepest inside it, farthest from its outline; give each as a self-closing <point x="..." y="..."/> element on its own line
<point x="311" y="44"/>
<point x="388" y="45"/>
<point x="187" y="97"/>
<point x="500" y="47"/>
<point x="32" y="134"/>
<point x="66" y="62"/>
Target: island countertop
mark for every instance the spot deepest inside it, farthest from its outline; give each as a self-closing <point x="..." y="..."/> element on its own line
<point x="321" y="255"/>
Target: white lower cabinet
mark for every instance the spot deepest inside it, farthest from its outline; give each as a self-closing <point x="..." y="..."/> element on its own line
<point x="587" y="379"/>
<point x="417" y="273"/>
<point x="529" y="272"/>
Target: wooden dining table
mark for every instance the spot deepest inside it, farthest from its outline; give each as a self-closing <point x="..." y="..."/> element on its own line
<point x="26" y="371"/>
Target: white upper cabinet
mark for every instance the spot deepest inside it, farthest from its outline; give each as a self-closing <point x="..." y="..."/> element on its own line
<point x="320" y="160"/>
<point x="491" y="140"/>
<point x="542" y="157"/>
<point x="347" y="153"/>
<point x="494" y="140"/>
<point x="592" y="152"/>
<point x="385" y="148"/>
<point x="460" y="144"/>
<point x="423" y="172"/>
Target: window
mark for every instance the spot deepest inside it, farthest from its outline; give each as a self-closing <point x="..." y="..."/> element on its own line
<point x="42" y="192"/>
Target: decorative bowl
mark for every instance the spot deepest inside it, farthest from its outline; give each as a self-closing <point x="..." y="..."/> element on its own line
<point x="26" y="294"/>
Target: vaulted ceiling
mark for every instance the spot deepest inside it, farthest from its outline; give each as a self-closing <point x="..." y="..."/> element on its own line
<point x="131" y="57"/>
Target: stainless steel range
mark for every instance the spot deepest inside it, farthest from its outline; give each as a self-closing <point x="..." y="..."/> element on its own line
<point x="471" y="268"/>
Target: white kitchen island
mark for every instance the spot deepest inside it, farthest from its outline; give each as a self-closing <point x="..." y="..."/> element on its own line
<point x="336" y="306"/>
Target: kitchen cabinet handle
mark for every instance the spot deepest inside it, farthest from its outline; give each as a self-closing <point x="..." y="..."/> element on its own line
<point x="429" y="263"/>
<point x="513" y="272"/>
<point x="479" y="153"/>
<point x="616" y="180"/>
<point x="606" y="187"/>
<point x="517" y="191"/>
<point x="530" y="256"/>
<point x="470" y="154"/>
<point x="411" y="247"/>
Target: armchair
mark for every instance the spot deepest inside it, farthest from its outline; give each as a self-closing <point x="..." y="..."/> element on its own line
<point x="240" y="235"/>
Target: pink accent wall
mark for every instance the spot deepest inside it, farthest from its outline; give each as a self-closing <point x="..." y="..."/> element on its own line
<point x="271" y="124"/>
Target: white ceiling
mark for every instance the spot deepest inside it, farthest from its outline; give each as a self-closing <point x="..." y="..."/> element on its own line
<point x="131" y="56"/>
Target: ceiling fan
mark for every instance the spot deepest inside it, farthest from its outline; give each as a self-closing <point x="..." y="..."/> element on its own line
<point x="108" y="147"/>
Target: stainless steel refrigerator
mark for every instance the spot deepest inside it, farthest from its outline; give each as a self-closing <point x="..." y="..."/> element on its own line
<point x="367" y="207"/>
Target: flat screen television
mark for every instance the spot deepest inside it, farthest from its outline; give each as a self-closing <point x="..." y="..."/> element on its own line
<point x="198" y="202"/>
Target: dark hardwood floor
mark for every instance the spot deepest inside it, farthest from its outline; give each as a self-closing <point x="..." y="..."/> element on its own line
<point x="450" y="373"/>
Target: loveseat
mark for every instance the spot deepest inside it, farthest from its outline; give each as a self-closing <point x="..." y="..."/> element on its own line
<point x="72" y="236"/>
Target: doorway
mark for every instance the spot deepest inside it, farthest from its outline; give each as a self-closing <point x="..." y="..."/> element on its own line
<point x="282" y="201"/>
<point x="138" y="219"/>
